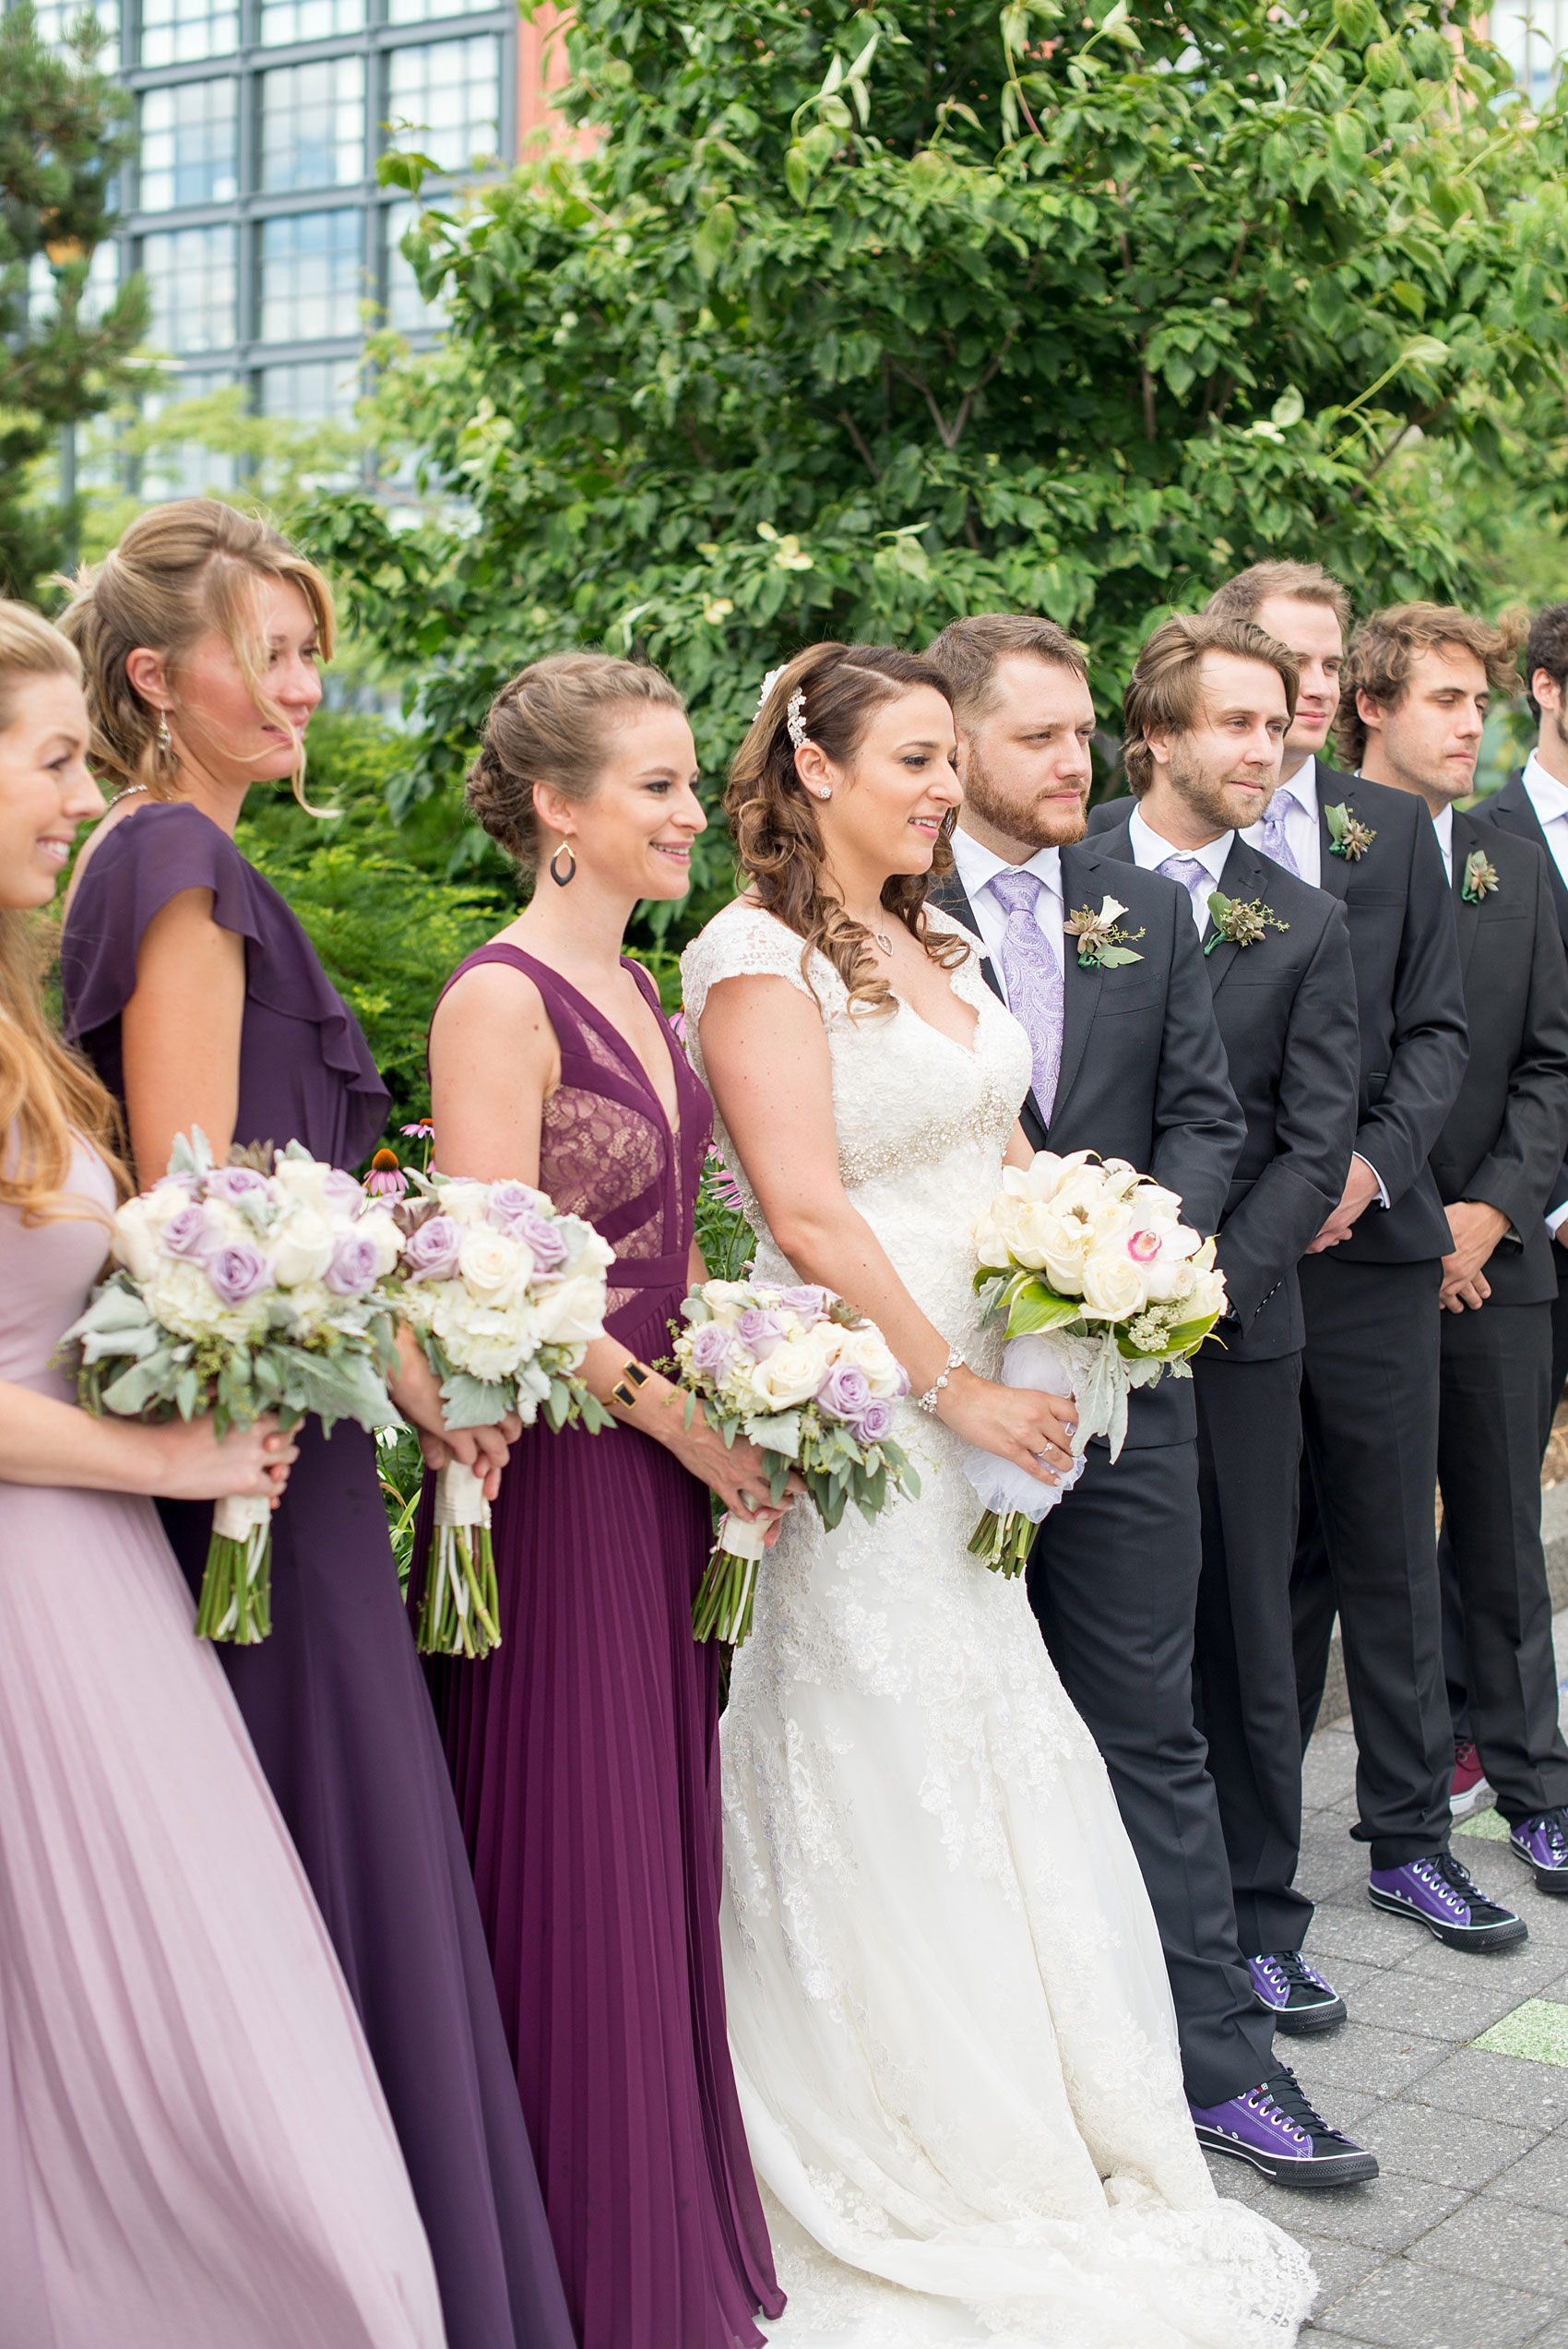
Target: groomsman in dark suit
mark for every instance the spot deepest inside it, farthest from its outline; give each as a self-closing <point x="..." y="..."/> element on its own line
<point x="1369" y="1285"/>
<point x="1534" y="806"/>
<point x="1416" y="687"/>
<point x="1205" y="716"/>
<point x="1128" y="1062"/>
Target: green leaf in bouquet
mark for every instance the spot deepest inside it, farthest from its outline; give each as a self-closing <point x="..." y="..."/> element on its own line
<point x="1034" y="1308"/>
<point x="186" y="1392"/>
<point x="471" y="1402"/>
<point x="871" y="1492"/>
<point x="557" y="1404"/>
<point x="831" y="1492"/>
<point x="141" y="1383"/>
<point x="590" y="1410"/>
<point x="776" y="1431"/>
<point x="341" y="1386"/>
<point x="193" y="1156"/>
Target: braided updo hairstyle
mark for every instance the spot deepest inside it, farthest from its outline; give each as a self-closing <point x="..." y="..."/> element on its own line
<point x="548" y="725"/>
<point x="773" y="817"/>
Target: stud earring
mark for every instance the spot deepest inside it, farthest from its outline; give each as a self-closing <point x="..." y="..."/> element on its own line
<point x="561" y="879"/>
<point x="825" y="791"/>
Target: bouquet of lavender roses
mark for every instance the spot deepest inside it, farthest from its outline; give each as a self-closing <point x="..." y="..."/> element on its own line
<point x="238" y="1293"/>
<point x="811" y="1383"/>
<point x="504" y="1296"/>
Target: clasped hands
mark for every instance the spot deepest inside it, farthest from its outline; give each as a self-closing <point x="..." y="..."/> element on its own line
<point x="416" y="1390"/>
<point x="1476" y="1229"/>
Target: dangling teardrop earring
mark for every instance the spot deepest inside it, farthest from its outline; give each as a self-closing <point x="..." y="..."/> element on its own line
<point x="561" y="879"/>
<point x="165" y="739"/>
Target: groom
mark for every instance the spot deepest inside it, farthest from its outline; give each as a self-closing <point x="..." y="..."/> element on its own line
<point x="1128" y="1061"/>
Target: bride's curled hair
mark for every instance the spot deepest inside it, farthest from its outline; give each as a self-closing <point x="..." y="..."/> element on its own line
<point x="773" y="817"/>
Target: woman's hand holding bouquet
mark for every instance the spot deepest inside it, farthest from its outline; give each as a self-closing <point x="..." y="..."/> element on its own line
<point x="812" y="1384"/>
<point x="243" y="1297"/>
<point x="504" y="1296"/>
<point x="1104" y="1289"/>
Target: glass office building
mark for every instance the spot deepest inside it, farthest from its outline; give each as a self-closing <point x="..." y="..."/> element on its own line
<point x="253" y="205"/>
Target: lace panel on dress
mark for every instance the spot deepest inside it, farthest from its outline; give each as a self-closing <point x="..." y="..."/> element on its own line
<point x="598" y="1155"/>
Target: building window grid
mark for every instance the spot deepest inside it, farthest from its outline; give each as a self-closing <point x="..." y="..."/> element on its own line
<point x="312" y="125"/>
<point x="189" y="145"/>
<point x="221" y="288"/>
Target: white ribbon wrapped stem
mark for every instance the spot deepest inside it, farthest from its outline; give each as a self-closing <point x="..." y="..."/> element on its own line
<point x="239" y="1515"/>
<point x="1047" y="1364"/>
<point x="459" y="1497"/>
<point x="743" y="1537"/>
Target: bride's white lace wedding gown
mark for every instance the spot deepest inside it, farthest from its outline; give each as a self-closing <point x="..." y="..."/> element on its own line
<point x="948" y="2010"/>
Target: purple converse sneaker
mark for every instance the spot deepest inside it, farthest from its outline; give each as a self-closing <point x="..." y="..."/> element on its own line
<point x="1275" y="2129"/>
<point x="1439" y="1894"/>
<point x="1542" y="1843"/>
<point x="1295" y="1993"/>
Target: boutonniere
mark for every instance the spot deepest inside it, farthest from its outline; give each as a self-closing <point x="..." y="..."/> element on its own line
<point x="1102" y="942"/>
<point x="1347" y="835"/>
<point x="1481" y="877"/>
<point x="1239" y="923"/>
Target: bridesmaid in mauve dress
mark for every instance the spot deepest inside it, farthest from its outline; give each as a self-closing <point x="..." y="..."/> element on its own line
<point x="194" y="2149"/>
<point x="334" y="1699"/>
<point x="584" y="1748"/>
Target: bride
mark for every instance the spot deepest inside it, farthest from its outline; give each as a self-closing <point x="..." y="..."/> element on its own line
<point x="952" y="2030"/>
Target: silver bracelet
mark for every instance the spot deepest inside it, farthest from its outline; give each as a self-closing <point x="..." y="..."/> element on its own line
<point x="928" y="1400"/>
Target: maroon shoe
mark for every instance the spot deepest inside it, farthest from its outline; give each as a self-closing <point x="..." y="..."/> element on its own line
<point x="1469" y="1779"/>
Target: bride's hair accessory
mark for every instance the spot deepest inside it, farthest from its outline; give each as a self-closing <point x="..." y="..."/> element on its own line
<point x="928" y="1401"/>
<point x="767" y="687"/>
<point x="795" y="720"/>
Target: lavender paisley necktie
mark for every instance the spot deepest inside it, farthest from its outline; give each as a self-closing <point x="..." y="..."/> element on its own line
<point x="1196" y="878"/>
<point x="1033" y="979"/>
<point x="1273" y="840"/>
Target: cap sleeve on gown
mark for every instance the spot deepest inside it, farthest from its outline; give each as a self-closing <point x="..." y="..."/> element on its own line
<point x="745" y="942"/>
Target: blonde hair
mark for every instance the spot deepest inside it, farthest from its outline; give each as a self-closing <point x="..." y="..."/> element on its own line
<point x="1241" y="598"/>
<point x="774" y="822"/>
<point x="48" y="1096"/>
<point x="179" y="571"/>
<point x="1164" y="692"/>
<point x="547" y="725"/>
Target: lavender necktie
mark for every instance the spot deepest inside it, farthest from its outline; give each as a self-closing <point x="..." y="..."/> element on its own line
<point x="1033" y="979"/>
<point x="1196" y="879"/>
<point x="1274" y="841"/>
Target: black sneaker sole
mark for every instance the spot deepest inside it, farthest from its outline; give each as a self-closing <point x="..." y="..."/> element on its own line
<point x="1456" y="1937"/>
<point x="1548" y="1879"/>
<point x="1300" y="2022"/>
<point x="1326" y="2169"/>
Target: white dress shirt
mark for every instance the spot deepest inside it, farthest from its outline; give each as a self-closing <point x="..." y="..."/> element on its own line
<point x="1550" y="800"/>
<point x="1442" y="825"/>
<point x="1298" y="797"/>
<point x="978" y="865"/>
<point x="1150" y="850"/>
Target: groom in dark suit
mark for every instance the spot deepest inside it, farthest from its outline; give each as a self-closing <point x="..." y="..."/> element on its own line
<point x="1205" y="715"/>
<point x="1128" y="1062"/>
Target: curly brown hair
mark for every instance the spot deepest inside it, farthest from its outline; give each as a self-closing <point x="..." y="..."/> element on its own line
<point x="1386" y="645"/>
<point x="1165" y="692"/>
<point x="774" y="821"/>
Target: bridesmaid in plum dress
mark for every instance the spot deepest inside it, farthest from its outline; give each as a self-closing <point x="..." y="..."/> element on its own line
<point x="584" y="1748"/>
<point x="194" y="2148"/>
<point x="200" y="1001"/>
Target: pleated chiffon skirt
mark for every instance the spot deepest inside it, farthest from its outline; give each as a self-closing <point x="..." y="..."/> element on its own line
<point x="585" y="1756"/>
<point x="193" y="2147"/>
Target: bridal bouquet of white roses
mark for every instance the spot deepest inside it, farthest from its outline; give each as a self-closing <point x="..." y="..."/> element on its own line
<point x="1104" y="1289"/>
<point x="504" y="1296"/>
<point x="236" y="1293"/>
<point x="811" y="1383"/>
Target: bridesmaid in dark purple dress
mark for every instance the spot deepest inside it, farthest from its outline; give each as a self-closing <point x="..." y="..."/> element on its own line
<point x="585" y="1750"/>
<point x="201" y="1000"/>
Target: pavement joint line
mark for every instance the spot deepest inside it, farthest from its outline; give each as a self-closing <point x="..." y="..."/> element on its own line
<point x="1489" y="1824"/>
<point x="1537" y="2031"/>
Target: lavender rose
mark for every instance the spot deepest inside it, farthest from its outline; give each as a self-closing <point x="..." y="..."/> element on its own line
<point x="759" y="1332"/>
<point x="354" y="1264"/>
<point x="237" y="1270"/>
<point x="711" y="1349"/>
<point x="806" y="1298"/>
<point x="234" y="1183"/>
<point x="845" y="1392"/>
<point x="341" y="1190"/>
<point x="874" y="1422"/>
<point x="430" y="1253"/>
<point x="186" y="1233"/>
<point x="515" y="1210"/>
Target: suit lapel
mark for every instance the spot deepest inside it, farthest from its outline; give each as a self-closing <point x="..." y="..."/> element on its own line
<point x="1245" y="878"/>
<point x="1467" y="916"/>
<point x="1080" y="981"/>
<point x="954" y="899"/>
<point x="1512" y="810"/>
<point x="1333" y="791"/>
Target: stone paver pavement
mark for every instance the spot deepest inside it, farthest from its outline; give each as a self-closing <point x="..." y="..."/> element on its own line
<point x="1462" y="2243"/>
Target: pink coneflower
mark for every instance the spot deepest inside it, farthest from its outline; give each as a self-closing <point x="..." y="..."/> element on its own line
<point x="386" y="1179"/>
<point x="422" y="1132"/>
<point x="721" y="1184"/>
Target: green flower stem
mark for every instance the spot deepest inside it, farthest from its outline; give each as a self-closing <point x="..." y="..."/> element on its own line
<point x="459" y="1614"/>
<point x="722" y="1609"/>
<point x="1004" y="1543"/>
<point x="236" y="1589"/>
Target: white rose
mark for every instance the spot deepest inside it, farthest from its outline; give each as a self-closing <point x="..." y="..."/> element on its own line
<point x="1207" y="1297"/>
<point x="1113" y="1285"/>
<point x="301" y="1247"/>
<point x="466" y="1203"/>
<point x="166" y="1198"/>
<point x="496" y="1269"/>
<point x="1044" y="1175"/>
<point x="1082" y="1192"/>
<point x="302" y="1180"/>
<point x="229" y="1223"/>
<point x="379" y="1228"/>
<point x="1153" y="1204"/>
<point x="869" y="1351"/>
<point x="135" y="1245"/>
<point x="991" y="1240"/>
<point x="570" y="1312"/>
<point x="791" y="1374"/>
<point x="1167" y="1280"/>
<point x="727" y="1300"/>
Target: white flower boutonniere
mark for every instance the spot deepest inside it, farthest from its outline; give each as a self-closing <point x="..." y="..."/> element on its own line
<point x="1103" y="942"/>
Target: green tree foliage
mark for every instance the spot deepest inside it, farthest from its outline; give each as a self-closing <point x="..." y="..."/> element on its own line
<point x="62" y="139"/>
<point x="853" y="320"/>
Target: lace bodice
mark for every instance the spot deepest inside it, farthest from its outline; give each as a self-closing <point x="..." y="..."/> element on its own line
<point x="921" y="1120"/>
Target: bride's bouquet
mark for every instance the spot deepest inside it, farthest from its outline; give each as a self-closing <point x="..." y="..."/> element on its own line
<point x="1104" y="1289"/>
<point x="504" y="1296"/>
<point x="811" y="1383"/>
<point x="237" y="1293"/>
